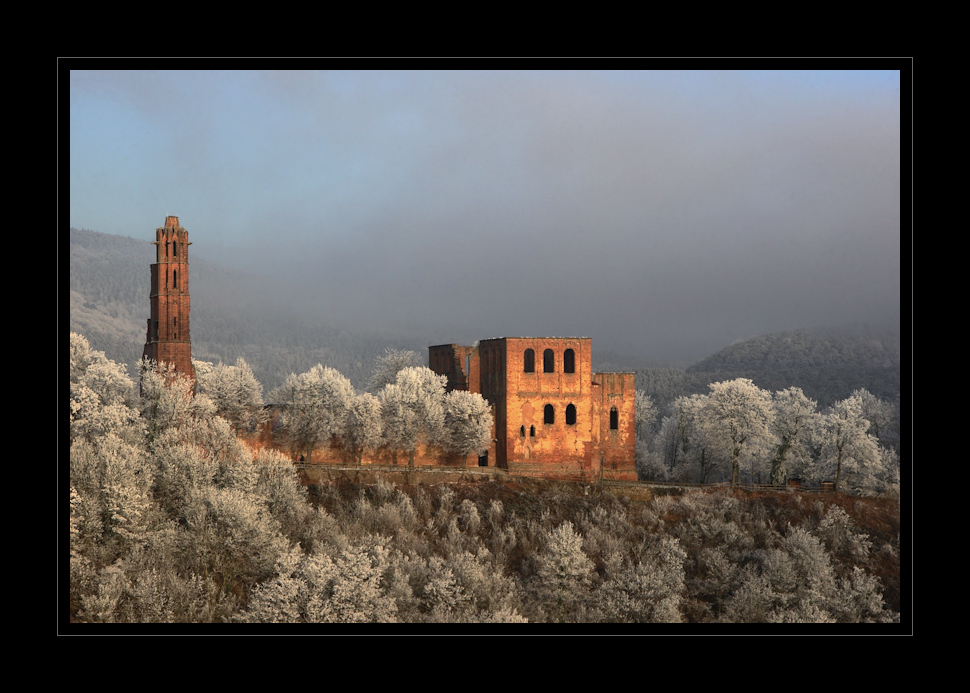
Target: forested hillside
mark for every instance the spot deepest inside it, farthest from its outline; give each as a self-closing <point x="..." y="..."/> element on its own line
<point x="826" y="364"/>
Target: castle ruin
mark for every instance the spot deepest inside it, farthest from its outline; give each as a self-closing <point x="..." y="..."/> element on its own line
<point x="552" y="413"/>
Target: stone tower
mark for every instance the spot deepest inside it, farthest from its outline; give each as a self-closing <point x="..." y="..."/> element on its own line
<point x="168" y="327"/>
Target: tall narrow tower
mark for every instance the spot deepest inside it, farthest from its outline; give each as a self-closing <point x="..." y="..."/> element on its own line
<point x="168" y="327"/>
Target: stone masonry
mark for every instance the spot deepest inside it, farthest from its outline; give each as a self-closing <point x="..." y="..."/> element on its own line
<point x="168" y="339"/>
<point x="551" y="411"/>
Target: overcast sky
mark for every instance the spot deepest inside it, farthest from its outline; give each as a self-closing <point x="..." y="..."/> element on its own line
<point x="662" y="214"/>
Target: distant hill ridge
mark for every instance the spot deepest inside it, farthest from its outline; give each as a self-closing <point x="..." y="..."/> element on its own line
<point x="827" y="363"/>
<point x="236" y="314"/>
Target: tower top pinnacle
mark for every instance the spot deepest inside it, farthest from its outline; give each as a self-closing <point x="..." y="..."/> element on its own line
<point x="171" y="222"/>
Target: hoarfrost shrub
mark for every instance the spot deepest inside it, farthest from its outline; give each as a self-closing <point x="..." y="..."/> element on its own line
<point x="233" y="535"/>
<point x="383" y="490"/>
<point x="838" y="532"/>
<point x="860" y="599"/>
<point x="563" y="571"/>
<point x="491" y="593"/>
<point x="169" y="403"/>
<point x="815" y="577"/>
<point x="281" y="599"/>
<point x="318" y="588"/>
<point x="348" y="589"/>
<point x="102" y="396"/>
<point x="443" y="597"/>
<point x="284" y="495"/>
<point x="649" y="591"/>
<point x="114" y="508"/>
<point x="276" y="601"/>
<point x="716" y="575"/>
<point x="406" y="511"/>
<point x="181" y="471"/>
<point x="101" y="607"/>
<point x="468" y="517"/>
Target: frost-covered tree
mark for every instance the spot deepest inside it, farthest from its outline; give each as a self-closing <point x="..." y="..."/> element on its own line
<point x="392" y="362"/>
<point x="649" y="591"/>
<point x="841" y="537"/>
<point x="233" y="534"/>
<point x="413" y="410"/>
<point x="102" y="396"/>
<point x="168" y="400"/>
<point x="649" y="465"/>
<point x="468" y="423"/>
<point x="848" y="452"/>
<point x="794" y="421"/>
<point x="278" y="485"/>
<point x="644" y="414"/>
<point x="860" y="600"/>
<point x="563" y="571"/>
<point x="364" y="426"/>
<point x="113" y="509"/>
<point x="737" y="414"/>
<point x="688" y="451"/>
<point x="883" y="418"/>
<point x="352" y="590"/>
<point x="313" y="407"/>
<point x="237" y="395"/>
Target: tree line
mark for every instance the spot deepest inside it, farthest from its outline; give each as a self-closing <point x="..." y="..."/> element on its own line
<point x="739" y="431"/>
<point x="404" y="407"/>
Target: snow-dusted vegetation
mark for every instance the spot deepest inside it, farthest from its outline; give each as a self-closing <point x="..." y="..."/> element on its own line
<point x="173" y="519"/>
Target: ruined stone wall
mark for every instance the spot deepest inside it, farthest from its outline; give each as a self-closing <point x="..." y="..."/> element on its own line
<point x="455" y="362"/>
<point x="551" y="411"/>
<point x="617" y="427"/>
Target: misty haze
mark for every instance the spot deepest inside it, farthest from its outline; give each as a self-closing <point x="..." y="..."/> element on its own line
<point x="664" y="214"/>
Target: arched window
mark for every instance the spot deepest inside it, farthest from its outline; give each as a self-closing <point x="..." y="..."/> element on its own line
<point x="548" y="414"/>
<point x="614" y="419"/>
<point x="570" y="414"/>
<point x="532" y="431"/>
<point x="530" y="361"/>
<point x="522" y="431"/>
<point x="548" y="361"/>
<point x="175" y="279"/>
<point x="569" y="361"/>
